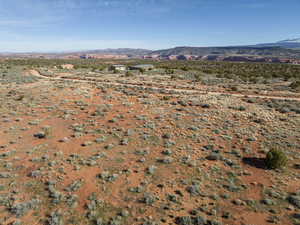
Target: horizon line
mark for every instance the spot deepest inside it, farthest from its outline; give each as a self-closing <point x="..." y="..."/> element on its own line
<point x="124" y="48"/>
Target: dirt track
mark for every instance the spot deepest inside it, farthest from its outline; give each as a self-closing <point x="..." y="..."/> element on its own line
<point x="37" y="74"/>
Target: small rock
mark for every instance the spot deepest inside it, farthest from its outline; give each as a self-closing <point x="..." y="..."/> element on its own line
<point x="40" y="135"/>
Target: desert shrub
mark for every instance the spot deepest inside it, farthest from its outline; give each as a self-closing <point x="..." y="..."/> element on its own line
<point x="275" y="159"/>
<point x="128" y="74"/>
<point x="185" y="68"/>
<point x="253" y="80"/>
<point x="94" y="68"/>
<point x="169" y="71"/>
<point x="142" y="70"/>
<point x="47" y="130"/>
<point x="173" y="77"/>
<point x="102" y="68"/>
<point x="295" y="84"/>
<point x="111" y="68"/>
<point x="166" y="98"/>
<point x="198" y="77"/>
<point x="234" y="88"/>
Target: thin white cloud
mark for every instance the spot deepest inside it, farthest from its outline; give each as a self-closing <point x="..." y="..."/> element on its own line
<point x="44" y="13"/>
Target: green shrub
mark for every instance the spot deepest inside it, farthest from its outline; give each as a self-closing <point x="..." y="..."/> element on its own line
<point x="166" y="98"/>
<point x="185" y="68"/>
<point x="295" y="84"/>
<point x="169" y="71"/>
<point x="276" y="159"/>
<point x="173" y="77"/>
<point x="198" y="77"/>
<point x="142" y="70"/>
<point x="234" y="88"/>
<point x="128" y="74"/>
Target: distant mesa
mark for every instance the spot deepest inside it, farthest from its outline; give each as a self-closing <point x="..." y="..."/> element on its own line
<point x="296" y="40"/>
<point x="285" y="51"/>
<point x="288" y="43"/>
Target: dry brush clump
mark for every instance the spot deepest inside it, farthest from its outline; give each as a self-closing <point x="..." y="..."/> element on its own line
<point x="276" y="159"/>
<point x="295" y="85"/>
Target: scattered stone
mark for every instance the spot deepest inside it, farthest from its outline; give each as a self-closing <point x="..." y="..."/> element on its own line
<point x="40" y="135"/>
<point x="151" y="170"/>
<point x="294" y="200"/>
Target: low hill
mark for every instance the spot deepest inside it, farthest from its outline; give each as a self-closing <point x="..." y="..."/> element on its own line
<point x="118" y="51"/>
<point x="289" y="43"/>
<point x="235" y="50"/>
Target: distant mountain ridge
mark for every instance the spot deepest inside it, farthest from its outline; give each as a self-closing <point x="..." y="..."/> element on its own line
<point x="108" y="51"/>
<point x="296" y="40"/>
<point x="118" y="51"/>
<point x="284" y="48"/>
<point x="288" y="43"/>
<point x="270" y="51"/>
<point x="289" y="48"/>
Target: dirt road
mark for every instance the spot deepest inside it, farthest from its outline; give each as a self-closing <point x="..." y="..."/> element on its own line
<point x="92" y="80"/>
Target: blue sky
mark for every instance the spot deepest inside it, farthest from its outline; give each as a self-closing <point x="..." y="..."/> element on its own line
<point x="58" y="25"/>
